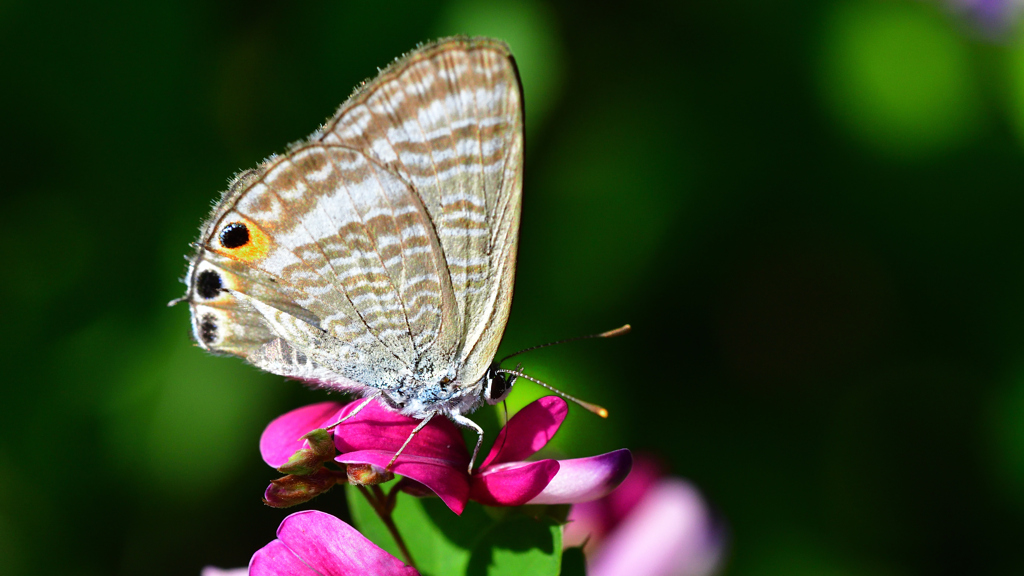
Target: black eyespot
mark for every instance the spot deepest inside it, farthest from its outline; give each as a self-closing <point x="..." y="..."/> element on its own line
<point x="234" y="235"/>
<point x="208" y="328"/>
<point x="208" y="284"/>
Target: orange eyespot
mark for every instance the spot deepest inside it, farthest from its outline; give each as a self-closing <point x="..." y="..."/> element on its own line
<point x="244" y="241"/>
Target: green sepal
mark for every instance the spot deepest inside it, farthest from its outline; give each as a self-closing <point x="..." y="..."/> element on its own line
<point x="308" y="460"/>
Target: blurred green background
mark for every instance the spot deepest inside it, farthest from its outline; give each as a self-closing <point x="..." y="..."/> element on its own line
<point x="810" y="212"/>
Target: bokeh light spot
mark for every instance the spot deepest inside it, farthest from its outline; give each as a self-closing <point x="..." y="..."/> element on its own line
<point x="614" y="199"/>
<point x="897" y="76"/>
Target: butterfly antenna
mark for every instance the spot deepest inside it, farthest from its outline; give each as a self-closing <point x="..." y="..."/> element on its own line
<point x="599" y="410"/>
<point x="624" y="329"/>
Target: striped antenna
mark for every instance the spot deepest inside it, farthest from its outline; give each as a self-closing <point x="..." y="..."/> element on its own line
<point x="624" y="329"/>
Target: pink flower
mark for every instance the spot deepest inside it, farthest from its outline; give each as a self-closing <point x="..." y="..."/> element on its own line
<point x="437" y="457"/>
<point x="650" y="526"/>
<point x="315" y="543"/>
<point x="505" y="479"/>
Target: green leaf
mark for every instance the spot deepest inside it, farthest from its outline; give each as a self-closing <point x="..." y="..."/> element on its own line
<point x="482" y="541"/>
<point x="518" y="545"/>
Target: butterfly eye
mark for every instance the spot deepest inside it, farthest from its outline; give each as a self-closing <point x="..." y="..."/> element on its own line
<point x="234" y="235"/>
<point x="208" y="284"/>
<point x="497" y="386"/>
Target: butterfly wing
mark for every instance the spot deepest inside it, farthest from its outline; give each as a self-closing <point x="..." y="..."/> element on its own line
<point x="449" y="120"/>
<point x="387" y="242"/>
<point x="337" y="253"/>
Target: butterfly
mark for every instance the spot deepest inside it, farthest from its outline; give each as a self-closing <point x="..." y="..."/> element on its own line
<point x="377" y="257"/>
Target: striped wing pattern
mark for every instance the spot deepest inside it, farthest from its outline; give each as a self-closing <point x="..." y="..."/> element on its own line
<point x="450" y="123"/>
<point x="387" y="241"/>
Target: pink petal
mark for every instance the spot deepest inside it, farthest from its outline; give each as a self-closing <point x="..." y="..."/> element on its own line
<point x="512" y="484"/>
<point x="584" y="479"/>
<point x="528" y="431"/>
<point x="275" y="559"/>
<point x="377" y="428"/>
<point x="669" y="532"/>
<point x="283" y="436"/>
<point x="313" y="542"/>
<point x="446" y="479"/>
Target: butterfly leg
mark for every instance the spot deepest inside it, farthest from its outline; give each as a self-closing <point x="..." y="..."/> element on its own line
<point x="467" y="423"/>
<point x="407" y="440"/>
<point x="354" y="412"/>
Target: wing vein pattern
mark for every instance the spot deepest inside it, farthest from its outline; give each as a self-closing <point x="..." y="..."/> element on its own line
<point x="385" y="244"/>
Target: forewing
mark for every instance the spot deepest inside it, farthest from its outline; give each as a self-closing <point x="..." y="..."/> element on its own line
<point x="448" y="120"/>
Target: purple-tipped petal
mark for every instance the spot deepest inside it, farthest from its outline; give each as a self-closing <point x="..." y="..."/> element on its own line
<point x="445" y="478"/>
<point x="283" y="436"/>
<point x="528" y="431"/>
<point x="585" y="479"/>
<point x="377" y="428"/>
<point x="644" y="475"/>
<point x="313" y="542"/>
<point x="513" y="484"/>
<point x="669" y="532"/>
<point x="590" y="521"/>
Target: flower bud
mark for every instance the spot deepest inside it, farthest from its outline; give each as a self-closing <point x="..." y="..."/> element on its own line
<point x="309" y="460"/>
<point x="367" y="474"/>
<point x="292" y="489"/>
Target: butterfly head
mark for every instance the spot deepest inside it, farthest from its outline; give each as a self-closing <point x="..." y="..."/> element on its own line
<point x="497" y="384"/>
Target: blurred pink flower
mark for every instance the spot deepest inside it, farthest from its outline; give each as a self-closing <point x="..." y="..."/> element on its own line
<point x="315" y="543"/>
<point x="437" y="457"/>
<point x="651" y="525"/>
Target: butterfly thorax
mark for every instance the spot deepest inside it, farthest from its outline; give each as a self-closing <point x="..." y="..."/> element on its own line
<point x="418" y="398"/>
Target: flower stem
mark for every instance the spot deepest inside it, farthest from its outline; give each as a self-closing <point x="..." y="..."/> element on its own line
<point x="379" y="502"/>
